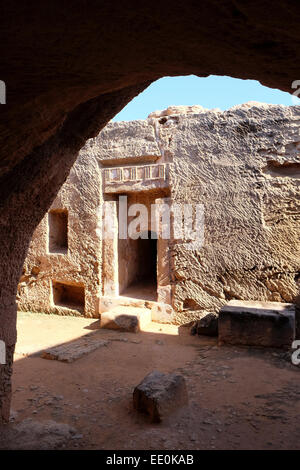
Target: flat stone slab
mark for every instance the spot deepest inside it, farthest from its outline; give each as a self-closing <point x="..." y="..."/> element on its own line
<point x="159" y="395"/>
<point x="269" y="324"/>
<point x="74" y="350"/>
<point x="130" y="319"/>
<point x="160" y="312"/>
<point x="108" y="303"/>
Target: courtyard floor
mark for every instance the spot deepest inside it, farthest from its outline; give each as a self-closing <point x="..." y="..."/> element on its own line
<point x="239" y="398"/>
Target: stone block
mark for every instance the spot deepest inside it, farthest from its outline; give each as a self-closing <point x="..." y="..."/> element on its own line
<point x="129" y="319"/>
<point x="207" y="326"/>
<point x="269" y="324"/>
<point x="159" y="395"/>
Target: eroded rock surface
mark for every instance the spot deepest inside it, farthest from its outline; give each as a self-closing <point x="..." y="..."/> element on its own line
<point x="251" y="234"/>
<point x="74" y="350"/>
<point x="34" y="435"/>
<point x="55" y="105"/>
<point x="240" y="164"/>
<point x="270" y="324"/>
<point x="160" y="394"/>
<point x="207" y="326"/>
<point x="125" y="319"/>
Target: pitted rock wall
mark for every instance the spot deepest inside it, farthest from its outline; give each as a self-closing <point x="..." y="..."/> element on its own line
<point x="242" y="165"/>
<point x="81" y="266"/>
<point x="251" y="245"/>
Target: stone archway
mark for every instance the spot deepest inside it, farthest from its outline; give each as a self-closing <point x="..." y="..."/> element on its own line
<point x="68" y="72"/>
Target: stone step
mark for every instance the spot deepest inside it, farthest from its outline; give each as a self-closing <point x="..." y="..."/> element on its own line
<point x="109" y="302"/>
<point x="124" y="318"/>
<point x="160" y="312"/>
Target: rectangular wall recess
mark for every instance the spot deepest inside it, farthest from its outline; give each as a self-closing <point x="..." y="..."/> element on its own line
<point x="68" y="295"/>
<point x="58" y="231"/>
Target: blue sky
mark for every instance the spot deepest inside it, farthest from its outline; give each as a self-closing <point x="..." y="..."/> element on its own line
<point x="210" y="92"/>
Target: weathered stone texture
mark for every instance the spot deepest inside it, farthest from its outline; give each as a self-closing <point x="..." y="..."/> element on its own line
<point x="269" y="324"/>
<point x="81" y="264"/>
<point x="219" y="161"/>
<point x="5" y="385"/>
<point x="207" y="326"/>
<point x="159" y="395"/>
<point x="124" y="140"/>
<point x="76" y="349"/>
<point x="131" y="319"/>
<point x="36" y="435"/>
<point x="241" y="164"/>
<point x="68" y="72"/>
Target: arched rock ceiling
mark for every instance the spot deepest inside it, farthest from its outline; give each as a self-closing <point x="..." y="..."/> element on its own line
<point x="56" y="55"/>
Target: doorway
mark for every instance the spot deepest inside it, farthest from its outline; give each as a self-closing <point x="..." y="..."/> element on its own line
<point x="137" y="258"/>
<point x="138" y="267"/>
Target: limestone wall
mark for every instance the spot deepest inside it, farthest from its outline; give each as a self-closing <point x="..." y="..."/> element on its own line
<point x="243" y="165"/>
<point x="75" y="270"/>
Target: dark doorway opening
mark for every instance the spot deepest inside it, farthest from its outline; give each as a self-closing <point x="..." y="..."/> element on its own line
<point x="147" y="258"/>
<point x="138" y="271"/>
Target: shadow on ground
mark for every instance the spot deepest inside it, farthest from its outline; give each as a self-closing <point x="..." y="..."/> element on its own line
<point x="239" y="398"/>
